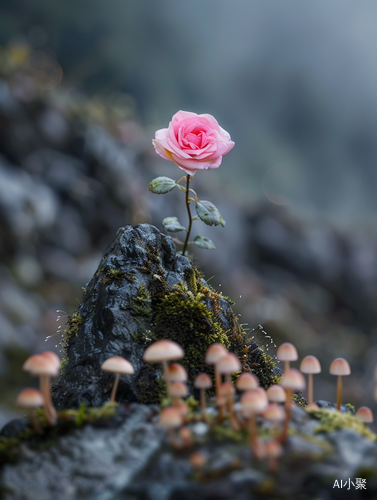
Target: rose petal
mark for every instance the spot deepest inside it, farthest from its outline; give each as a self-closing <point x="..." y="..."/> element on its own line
<point x="192" y="165"/>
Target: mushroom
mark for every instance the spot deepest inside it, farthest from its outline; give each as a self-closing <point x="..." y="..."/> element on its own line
<point x="170" y="418"/>
<point x="213" y="355"/>
<point x="175" y="373"/>
<point x="340" y="368"/>
<point x="274" y="451"/>
<point x="274" y="413"/>
<point x="226" y="366"/>
<point x="287" y="352"/>
<point x="276" y="394"/>
<point x="46" y="366"/>
<point x="30" y="399"/>
<point x="163" y="351"/>
<point x="365" y="414"/>
<point x="203" y="382"/>
<point x="118" y="365"/>
<point x="185" y="434"/>
<point x="310" y="365"/>
<point x="176" y="391"/>
<point x="246" y="381"/>
<point x="197" y="461"/>
<point x="292" y="380"/>
<point x="254" y="402"/>
<point x="227" y="392"/>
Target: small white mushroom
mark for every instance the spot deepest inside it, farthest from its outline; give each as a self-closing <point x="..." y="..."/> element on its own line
<point x="163" y="351"/>
<point x="203" y="382"/>
<point x="30" y="399"/>
<point x="287" y="352"/>
<point x="340" y="368"/>
<point x="292" y="380"/>
<point x="46" y="366"/>
<point x="118" y="365"/>
<point x="310" y="365"/>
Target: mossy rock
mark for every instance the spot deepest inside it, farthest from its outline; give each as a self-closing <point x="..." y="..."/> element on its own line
<point x="144" y="291"/>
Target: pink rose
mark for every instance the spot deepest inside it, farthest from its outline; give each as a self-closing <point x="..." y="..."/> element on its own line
<point x="193" y="142"/>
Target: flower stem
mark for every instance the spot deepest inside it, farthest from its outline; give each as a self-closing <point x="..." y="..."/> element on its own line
<point x="189" y="214"/>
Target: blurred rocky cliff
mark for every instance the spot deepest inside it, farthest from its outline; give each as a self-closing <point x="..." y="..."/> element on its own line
<point x="73" y="170"/>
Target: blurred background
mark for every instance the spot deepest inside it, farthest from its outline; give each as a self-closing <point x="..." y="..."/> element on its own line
<point x="83" y="87"/>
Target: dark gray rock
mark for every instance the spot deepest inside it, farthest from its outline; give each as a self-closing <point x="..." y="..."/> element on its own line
<point x="141" y="292"/>
<point x="131" y="459"/>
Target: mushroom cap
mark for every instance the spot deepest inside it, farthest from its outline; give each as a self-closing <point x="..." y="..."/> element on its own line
<point x="247" y="381"/>
<point x="177" y="390"/>
<point x="170" y="418"/>
<point x="254" y="401"/>
<point x="310" y="364"/>
<point x="182" y="408"/>
<point x="53" y="357"/>
<point x="226" y="389"/>
<point x="228" y="364"/>
<point x="274" y="413"/>
<point x="38" y="364"/>
<point x="293" y="379"/>
<point x="203" y="381"/>
<point x="340" y="367"/>
<point x="197" y="460"/>
<point x="276" y="394"/>
<point x="30" y="398"/>
<point x="175" y="373"/>
<point x="287" y="352"/>
<point x="365" y="414"/>
<point x="273" y="449"/>
<point x="163" y="350"/>
<point x="117" y="364"/>
<point x="214" y="353"/>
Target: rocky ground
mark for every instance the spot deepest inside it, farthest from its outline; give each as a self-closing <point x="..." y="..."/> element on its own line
<point x="127" y="456"/>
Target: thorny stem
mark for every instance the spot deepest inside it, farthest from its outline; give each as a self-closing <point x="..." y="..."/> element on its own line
<point x="189" y="214"/>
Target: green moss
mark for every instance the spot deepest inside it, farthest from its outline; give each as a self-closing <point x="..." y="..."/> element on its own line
<point x="63" y="365"/>
<point x="331" y="420"/>
<point x="299" y="399"/>
<point x="351" y="408"/>
<point x="141" y="304"/>
<point x="117" y="275"/>
<point x="71" y="331"/>
<point x="152" y="390"/>
<point x="183" y="317"/>
<point x="67" y="420"/>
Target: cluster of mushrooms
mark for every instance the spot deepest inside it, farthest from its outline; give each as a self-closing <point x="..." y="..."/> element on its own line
<point x="273" y="405"/>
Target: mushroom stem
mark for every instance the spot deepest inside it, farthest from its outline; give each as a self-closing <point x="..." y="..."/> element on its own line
<point x="203" y="406"/>
<point x="49" y="410"/>
<point x="286" y="366"/>
<point x="254" y="436"/>
<point x="310" y="388"/>
<point x="217" y="381"/>
<point x="34" y="423"/>
<point x="115" y="387"/>
<point x="232" y="417"/>
<point x="339" y="393"/>
<point x="288" y="410"/>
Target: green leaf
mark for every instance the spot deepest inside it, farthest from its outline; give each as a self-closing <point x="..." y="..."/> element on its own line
<point x="209" y="214"/>
<point x="172" y="225"/>
<point x="204" y="242"/>
<point x="162" y="185"/>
